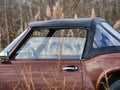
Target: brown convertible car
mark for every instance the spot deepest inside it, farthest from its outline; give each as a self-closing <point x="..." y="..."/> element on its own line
<point x="63" y="54"/>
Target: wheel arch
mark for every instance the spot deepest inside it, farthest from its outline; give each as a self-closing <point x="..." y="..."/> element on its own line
<point x="112" y="75"/>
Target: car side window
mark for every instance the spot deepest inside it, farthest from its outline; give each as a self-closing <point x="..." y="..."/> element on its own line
<point x="102" y="38"/>
<point x="64" y="44"/>
<point x="28" y="49"/>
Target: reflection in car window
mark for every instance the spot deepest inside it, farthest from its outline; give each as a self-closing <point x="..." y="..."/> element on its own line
<point x="111" y="29"/>
<point x="103" y="39"/>
<point x="65" y="46"/>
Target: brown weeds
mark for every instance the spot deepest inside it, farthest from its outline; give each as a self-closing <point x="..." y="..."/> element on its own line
<point x="93" y="15"/>
<point x="106" y="83"/>
<point x="117" y="25"/>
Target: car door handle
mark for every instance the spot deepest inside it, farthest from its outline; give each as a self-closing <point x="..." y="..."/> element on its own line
<point x="70" y="68"/>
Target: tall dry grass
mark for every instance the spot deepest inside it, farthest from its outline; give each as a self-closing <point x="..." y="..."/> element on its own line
<point x="28" y="81"/>
<point x="48" y="12"/>
<point x="93" y="15"/>
<point x="57" y="11"/>
<point x="15" y="15"/>
<point x="106" y="77"/>
<point x="117" y="25"/>
<point x="51" y="81"/>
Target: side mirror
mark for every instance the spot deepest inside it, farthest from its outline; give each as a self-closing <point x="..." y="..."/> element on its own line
<point x="5" y="59"/>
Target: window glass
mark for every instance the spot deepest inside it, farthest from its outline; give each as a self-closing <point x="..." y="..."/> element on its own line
<point x="64" y="44"/>
<point x="102" y="38"/>
<point x="111" y="29"/>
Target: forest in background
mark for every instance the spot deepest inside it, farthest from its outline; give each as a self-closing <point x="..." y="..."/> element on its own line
<point x="16" y="14"/>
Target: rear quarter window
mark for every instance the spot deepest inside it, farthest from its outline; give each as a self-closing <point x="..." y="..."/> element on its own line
<point x="104" y="38"/>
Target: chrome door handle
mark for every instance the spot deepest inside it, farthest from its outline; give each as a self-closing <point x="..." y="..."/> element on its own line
<point x="70" y="68"/>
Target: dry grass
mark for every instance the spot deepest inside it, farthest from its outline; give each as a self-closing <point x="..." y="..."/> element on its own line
<point x="117" y="25"/>
<point x="57" y="11"/>
<point x="37" y="17"/>
<point x="75" y="15"/>
<point x="93" y="15"/>
<point x="28" y="81"/>
<point x="106" y="83"/>
<point x="15" y="15"/>
<point x="48" y="12"/>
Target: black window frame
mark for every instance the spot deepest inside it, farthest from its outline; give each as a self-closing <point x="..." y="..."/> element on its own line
<point x="89" y="51"/>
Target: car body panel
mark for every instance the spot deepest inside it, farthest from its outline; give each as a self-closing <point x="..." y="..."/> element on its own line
<point x="100" y="65"/>
<point x="40" y="74"/>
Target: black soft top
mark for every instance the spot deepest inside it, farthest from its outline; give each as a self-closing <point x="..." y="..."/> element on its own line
<point x="88" y="23"/>
<point x="66" y="23"/>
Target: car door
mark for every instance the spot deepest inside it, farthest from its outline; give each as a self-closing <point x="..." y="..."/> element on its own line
<point x="39" y="65"/>
<point x="41" y="75"/>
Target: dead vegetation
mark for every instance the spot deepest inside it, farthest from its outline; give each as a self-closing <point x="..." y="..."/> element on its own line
<point x="16" y="14"/>
<point x="117" y="25"/>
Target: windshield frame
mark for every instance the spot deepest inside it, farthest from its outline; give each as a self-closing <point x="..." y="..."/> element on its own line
<point x="12" y="44"/>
